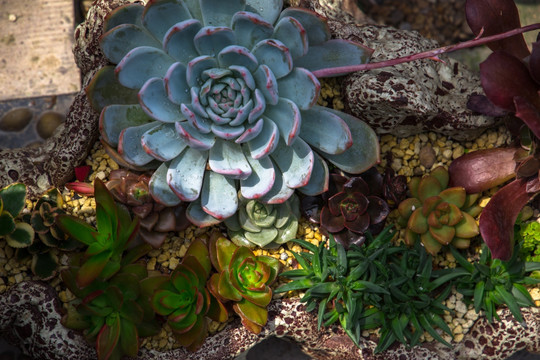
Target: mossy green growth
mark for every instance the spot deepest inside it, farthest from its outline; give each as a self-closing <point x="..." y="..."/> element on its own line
<point x="530" y="233"/>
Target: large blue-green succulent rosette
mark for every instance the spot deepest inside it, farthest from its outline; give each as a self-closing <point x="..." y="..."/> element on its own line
<point x="219" y="96"/>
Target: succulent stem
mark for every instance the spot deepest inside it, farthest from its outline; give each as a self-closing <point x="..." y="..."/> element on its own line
<point x="430" y="54"/>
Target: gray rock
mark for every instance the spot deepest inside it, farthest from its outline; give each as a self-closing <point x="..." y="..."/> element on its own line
<point x="410" y="98"/>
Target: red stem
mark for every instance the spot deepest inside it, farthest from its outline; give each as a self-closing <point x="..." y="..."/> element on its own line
<point x="423" y="55"/>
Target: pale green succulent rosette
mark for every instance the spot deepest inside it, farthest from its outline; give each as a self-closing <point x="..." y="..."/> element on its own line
<point x="219" y="97"/>
<point x="264" y="225"/>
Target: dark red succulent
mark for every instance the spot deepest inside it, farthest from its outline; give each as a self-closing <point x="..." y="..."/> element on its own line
<point x="351" y="210"/>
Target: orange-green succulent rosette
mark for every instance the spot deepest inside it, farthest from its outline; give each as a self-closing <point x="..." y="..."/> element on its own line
<point x="437" y="215"/>
<point x="243" y="278"/>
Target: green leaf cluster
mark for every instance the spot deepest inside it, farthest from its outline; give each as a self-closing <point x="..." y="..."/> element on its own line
<point x="104" y="255"/>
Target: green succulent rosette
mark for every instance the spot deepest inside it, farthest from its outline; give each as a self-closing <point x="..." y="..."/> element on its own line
<point x="264" y="225"/>
<point x="244" y="279"/>
<point x="18" y="234"/>
<point x="183" y="298"/>
<point x="437" y="215"/>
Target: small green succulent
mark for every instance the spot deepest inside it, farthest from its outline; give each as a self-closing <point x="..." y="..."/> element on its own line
<point x="437" y="215"/>
<point x="370" y="286"/>
<point x="183" y="298"/>
<point x="489" y="283"/>
<point x="244" y="279"/>
<point x="48" y="235"/>
<point x="530" y="232"/>
<point x="265" y="225"/>
<point x="106" y="243"/>
<point x="113" y="313"/>
<point x="18" y="234"/>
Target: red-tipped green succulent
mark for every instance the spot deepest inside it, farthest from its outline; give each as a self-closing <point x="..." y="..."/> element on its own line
<point x="437" y="215"/>
<point x="114" y="313"/>
<point x="18" y="234"/>
<point x="106" y="243"/>
<point x="183" y="298"/>
<point x="48" y="235"/>
<point x="244" y="279"/>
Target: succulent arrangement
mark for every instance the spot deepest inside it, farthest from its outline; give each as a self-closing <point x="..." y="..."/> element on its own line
<point x="264" y="225"/>
<point x="437" y="215"/>
<point x="114" y="313"/>
<point x="511" y="82"/>
<point x="244" y="279"/>
<point x="106" y="243"/>
<point x="220" y="98"/>
<point x="16" y="233"/>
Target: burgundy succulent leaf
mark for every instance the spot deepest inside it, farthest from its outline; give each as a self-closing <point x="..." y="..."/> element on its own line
<point x="504" y="77"/>
<point x="481" y="170"/>
<point x="491" y="17"/>
<point x="311" y="208"/>
<point x="377" y="209"/>
<point x="529" y="114"/>
<point x="534" y="60"/>
<point x="499" y="216"/>
<point x="481" y="104"/>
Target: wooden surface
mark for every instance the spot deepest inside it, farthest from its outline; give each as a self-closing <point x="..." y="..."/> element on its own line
<point x="36" y="37"/>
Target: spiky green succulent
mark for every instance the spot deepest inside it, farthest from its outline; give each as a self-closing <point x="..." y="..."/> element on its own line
<point x="17" y="233"/>
<point x="437" y="215"/>
<point x="107" y="242"/>
<point x="183" y="298"/>
<point x="489" y="283"/>
<point x="219" y="96"/>
<point x="264" y="225"/>
<point x="114" y="313"/>
<point x="244" y="279"/>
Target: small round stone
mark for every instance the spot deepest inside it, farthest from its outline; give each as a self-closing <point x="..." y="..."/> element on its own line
<point x="48" y="123"/>
<point x="16" y="119"/>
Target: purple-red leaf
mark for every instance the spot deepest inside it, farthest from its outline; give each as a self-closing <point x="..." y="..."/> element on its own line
<point x="504" y="77"/>
<point x="534" y="60"/>
<point x="498" y="217"/>
<point x="495" y="17"/>
<point x="529" y="114"/>
<point x="480" y="170"/>
<point x="482" y="105"/>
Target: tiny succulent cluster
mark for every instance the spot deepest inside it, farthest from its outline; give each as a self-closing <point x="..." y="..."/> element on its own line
<point x="374" y="285"/>
<point x="48" y="235"/>
<point x="243" y="279"/>
<point x="437" y="215"/>
<point x="219" y="97"/>
<point x="264" y="225"/>
<point x="17" y="233"/>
